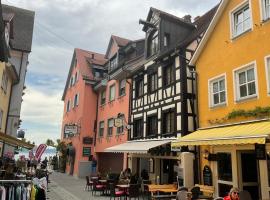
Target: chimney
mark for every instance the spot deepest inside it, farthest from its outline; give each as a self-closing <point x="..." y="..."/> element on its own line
<point x="196" y="18"/>
<point x="187" y="18"/>
<point x="93" y="55"/>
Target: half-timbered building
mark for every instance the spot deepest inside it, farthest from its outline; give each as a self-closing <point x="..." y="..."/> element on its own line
<point x="163" y="95"/>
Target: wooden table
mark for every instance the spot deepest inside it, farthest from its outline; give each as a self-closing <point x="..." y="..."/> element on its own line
<point x="166" y="188"/>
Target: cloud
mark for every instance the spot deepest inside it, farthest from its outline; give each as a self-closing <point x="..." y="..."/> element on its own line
<point x="62" y="25"/>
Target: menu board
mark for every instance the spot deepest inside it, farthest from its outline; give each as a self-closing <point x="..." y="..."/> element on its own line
<point x="207" y="175"/>
<point x="260" y="151"/>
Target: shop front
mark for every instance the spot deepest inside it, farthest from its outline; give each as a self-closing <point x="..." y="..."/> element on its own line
<point x="154" y="160"/>
<point x="233" y="156"/>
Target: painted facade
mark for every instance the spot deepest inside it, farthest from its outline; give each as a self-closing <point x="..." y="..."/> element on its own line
<point x="79" y="101"/>
<point x="233" y="66"/>
<point x="113" y="102"/>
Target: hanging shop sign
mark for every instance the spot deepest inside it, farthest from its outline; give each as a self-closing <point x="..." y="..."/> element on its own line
<point x="71" y="129"/>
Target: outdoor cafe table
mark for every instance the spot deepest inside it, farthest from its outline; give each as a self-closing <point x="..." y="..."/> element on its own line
<point x="166" y="188"/>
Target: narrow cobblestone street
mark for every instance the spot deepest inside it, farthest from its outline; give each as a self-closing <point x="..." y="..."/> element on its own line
<point x="65" y="187"/>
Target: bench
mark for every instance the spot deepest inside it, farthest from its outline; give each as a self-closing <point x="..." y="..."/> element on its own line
<point x="206" y="190"/>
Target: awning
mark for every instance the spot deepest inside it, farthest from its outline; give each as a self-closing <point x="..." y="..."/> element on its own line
<point x="136" y="146"/>
<point x="249" y="133"/>
<point x="13" y="141"/>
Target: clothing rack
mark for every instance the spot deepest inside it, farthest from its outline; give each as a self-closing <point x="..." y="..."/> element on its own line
<point x="15" y="181"/>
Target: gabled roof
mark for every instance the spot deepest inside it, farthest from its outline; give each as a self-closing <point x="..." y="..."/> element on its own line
<point x="119" y="41"/>
<point x="167" y="15"/>
<point x="209" y="31"/>
<point x="201" y="25"/>
<point x="3" y="46"/>
<point x="84" y="60"/>
<point x="23" y="25"/>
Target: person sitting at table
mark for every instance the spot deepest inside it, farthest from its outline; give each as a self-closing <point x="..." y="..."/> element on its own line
<point x="124" y="177"/>
<point x="233" y="194"/>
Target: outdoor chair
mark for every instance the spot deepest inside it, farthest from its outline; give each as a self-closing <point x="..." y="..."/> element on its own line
<point x="195" y="192"/>
<point x="145" y="191"/>
<point x="97" y="188"/>
<point x="245" y="195"/>
<point x="89" y="184"/>
<point x="115" y="193"/>
<point x="133" y="191"/>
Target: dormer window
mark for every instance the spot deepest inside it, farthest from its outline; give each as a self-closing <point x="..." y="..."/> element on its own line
<point x="113" y="63"/>
<point x="153" y="43"/>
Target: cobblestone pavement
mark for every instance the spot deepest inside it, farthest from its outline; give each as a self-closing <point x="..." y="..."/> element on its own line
<point x="66" y="187"/>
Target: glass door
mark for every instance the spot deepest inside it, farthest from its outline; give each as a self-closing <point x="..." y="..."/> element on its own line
<point x="225" y="176"/>
<point x="248" y="173"/>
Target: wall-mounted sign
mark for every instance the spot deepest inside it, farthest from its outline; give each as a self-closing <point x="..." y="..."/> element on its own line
<point x="71" y="129"/>
<point x="260" y="151"/>
<point x="118" y="122"/>
<point x="87" y="140"/>
<point x="86" y="151"/>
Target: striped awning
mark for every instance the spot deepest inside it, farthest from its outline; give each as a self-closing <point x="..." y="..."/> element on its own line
<point x="137" y="146"/>
<point x="13" y="141"/>
<point x="248" y="133"/>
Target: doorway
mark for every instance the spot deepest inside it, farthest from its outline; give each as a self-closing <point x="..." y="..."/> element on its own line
<point x="248" y="173"/>
<point x="168" y="175"/>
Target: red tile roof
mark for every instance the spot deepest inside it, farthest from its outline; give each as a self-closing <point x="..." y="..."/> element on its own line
<point x="120" y="41"/>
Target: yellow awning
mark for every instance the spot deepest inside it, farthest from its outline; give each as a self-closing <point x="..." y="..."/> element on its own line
<point x="249" y="133"/>
<point x="15" y="141"/>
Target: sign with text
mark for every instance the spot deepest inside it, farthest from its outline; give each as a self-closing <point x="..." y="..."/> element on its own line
<point x="118" y="122"/>
<point x="86" y="151"/>
<point x="71" y="129"/>
<point x="87" y="140"/>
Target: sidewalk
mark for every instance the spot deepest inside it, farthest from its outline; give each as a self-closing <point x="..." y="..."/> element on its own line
<point x="66" y="187"/>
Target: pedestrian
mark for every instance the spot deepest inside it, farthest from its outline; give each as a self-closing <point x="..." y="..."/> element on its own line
<point x="94" y="165"/>
<point x="44" y="163"/>
<point x="233" y="194"/>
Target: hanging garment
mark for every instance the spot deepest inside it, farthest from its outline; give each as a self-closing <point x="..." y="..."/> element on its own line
<point x="40" y="194"/>
<point x="33" y="193"/>
<point x="3" y="192"/>
<point x="18" y="192"/>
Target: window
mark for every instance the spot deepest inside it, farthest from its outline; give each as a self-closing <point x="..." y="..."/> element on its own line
<point x="101" y="129"/>
<point x="71" y="81"/>
<point x="217" y="91"/>
<point x="121" y="128"/>
<point x="152" y="125"/>
<point x="246" y="82"/>
<point x="168" y="122"/>
<point x="110" y="127"/>
<point x="68" y="106"/>
<point x="138" y="128"/>
<point x="266" y="9"/>
<point x="1" y="118"/>
<point x="153" y="82"/>
<point x="241" y="20"/>
<point x="224" y="166"/>
<point x="166" y="39"/>
<point x="153" y="43"/>
<point x="168" y="75"/>
<point x="139" y="87"/>
<point x="122" y="87"/>
<point x="103" y="97"/>
<point x="113" y="63"/>
<point x="268" y="73"/>
<point x="76" y="100"/>
<point x="76" y="78"/>
<point x="4" y="83"/>
<point x="112" y="92"/>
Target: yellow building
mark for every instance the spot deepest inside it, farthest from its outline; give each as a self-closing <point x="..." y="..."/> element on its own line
<point x="233" y="74"/>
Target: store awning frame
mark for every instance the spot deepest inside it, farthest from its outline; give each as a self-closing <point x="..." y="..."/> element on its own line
<point x="138" y="146"/>
<point x="13" y="141"/>
<point x="245" y="133"/>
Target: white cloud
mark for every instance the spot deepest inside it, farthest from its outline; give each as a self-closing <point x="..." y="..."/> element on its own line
<point x="39" y="107"/>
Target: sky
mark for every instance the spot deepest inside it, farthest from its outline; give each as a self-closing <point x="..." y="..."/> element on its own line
<point x="62" y="25"/>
